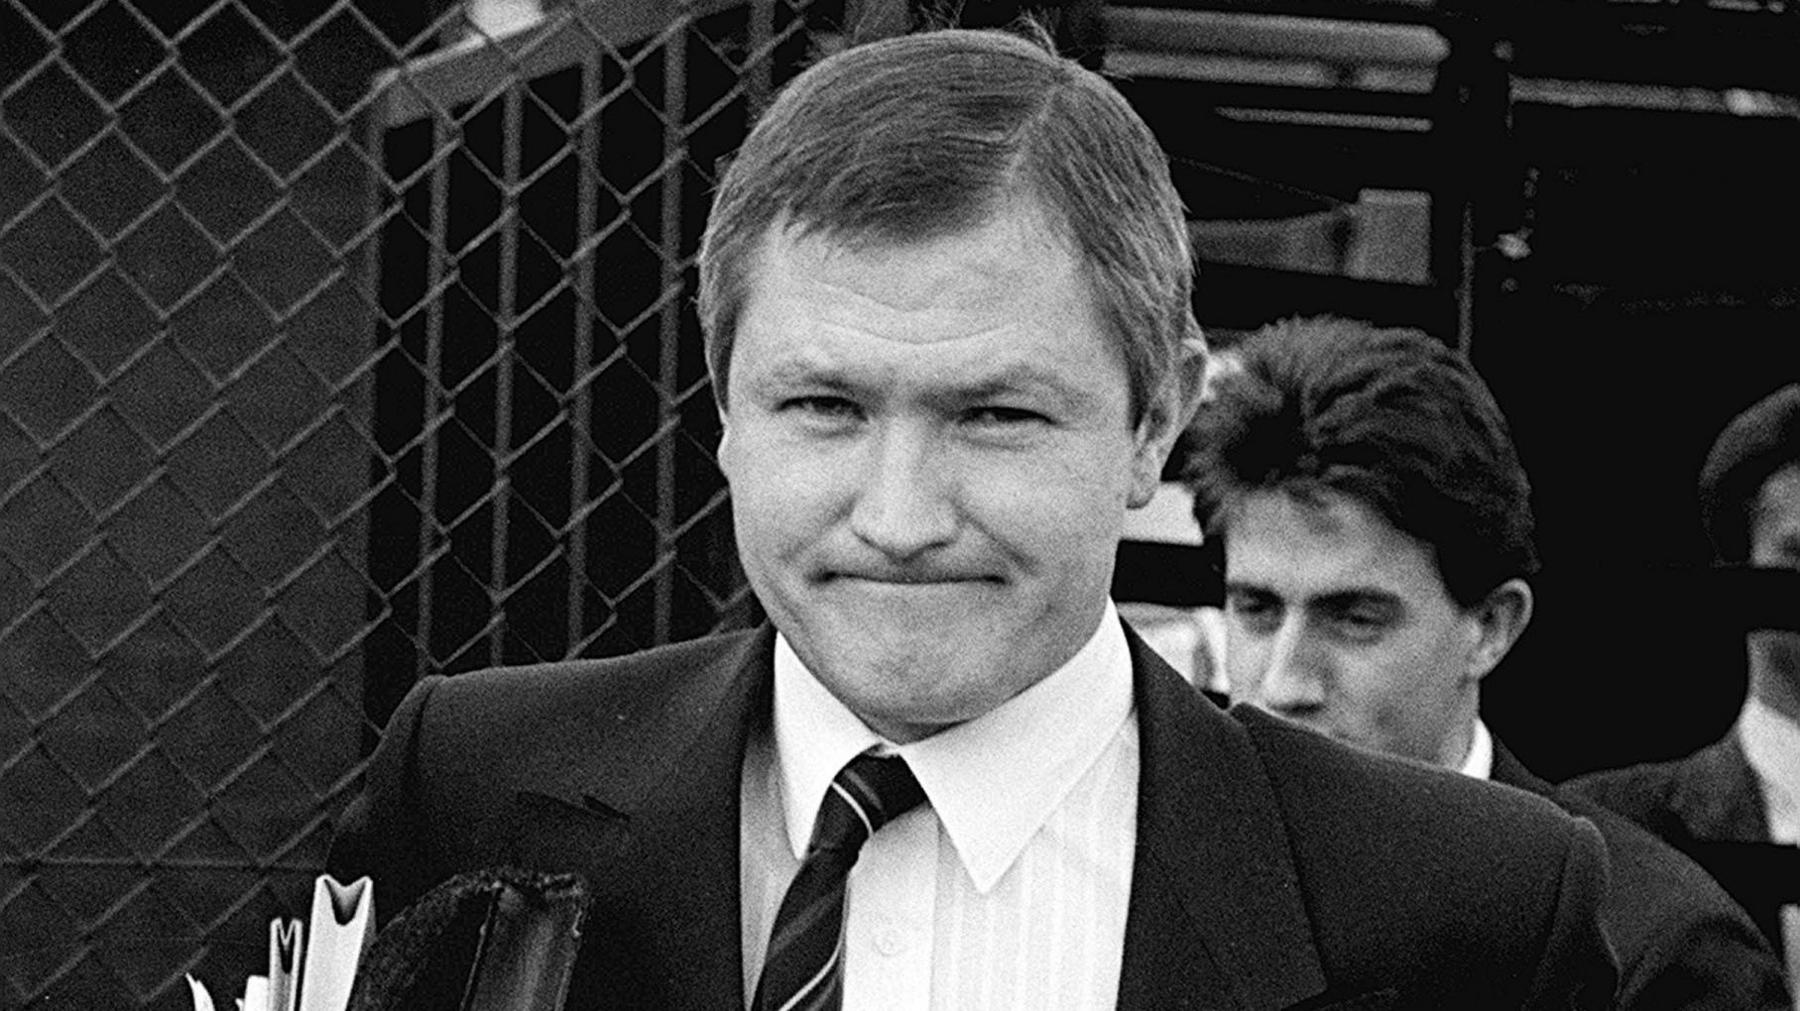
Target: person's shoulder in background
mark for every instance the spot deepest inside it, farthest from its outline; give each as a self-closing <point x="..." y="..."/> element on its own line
<point x="1411" y="868"/>
<point x="1709" y="794"/>
<point x="1682" y="941"/>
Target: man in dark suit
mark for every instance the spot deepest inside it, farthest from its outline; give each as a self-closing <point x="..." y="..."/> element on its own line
<point x="1735" y="804"/>
<point x="1376" y="532"/>
<point x="946" y="291"/>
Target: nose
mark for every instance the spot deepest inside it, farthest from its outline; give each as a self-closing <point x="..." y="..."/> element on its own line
<point x="1294" y="673"/>
<point x="903" y="506"/>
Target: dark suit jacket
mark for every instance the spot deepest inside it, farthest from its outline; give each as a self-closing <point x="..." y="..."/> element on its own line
<point x="1273" y="868"/>
<point x="1710" y="806"/>
<point x="1710" y="794"/>
<point x="1681" y="941"/>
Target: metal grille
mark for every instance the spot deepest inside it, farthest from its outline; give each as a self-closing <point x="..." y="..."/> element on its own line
<point x="336" y="348"/>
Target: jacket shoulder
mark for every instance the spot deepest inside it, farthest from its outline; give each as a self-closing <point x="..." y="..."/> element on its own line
<point x="1415" y="868"/>
<point x="527" y="727"/>
<point x="644" y="677"/>
<point x="460" y="748"/>
<point x="1678" y="935"/>
<point x="1358" y="786"/>
<point x="1633" y="788"/>
<point x="685" y="653"/>
<point x="1677" y="799"/>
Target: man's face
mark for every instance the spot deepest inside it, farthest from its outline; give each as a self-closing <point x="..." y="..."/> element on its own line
<point x="930" y="453"/>
<point x="1775" y="543"/>
<point x="1339" y="621"/>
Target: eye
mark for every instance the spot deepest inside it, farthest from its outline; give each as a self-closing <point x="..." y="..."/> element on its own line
<point x="1255" y="612"/>
<point x="1005" y="415"/>
<point x="823" y="407"/>
<point x="1361" y="623"/>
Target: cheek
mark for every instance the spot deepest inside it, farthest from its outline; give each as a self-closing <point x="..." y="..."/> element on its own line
<point x="1387" y="680"/>
<point x="776" y="495"/>
<point x="760" y="459"/>
<point x="1416" y="684"/>
<point x="1042" y="496"/>
<point x="1243" y="665"/>
<point x="1083" y="489"/>
<point x="1455" y="651"/>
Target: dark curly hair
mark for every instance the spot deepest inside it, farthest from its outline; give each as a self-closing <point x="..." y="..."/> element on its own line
<point x="1393" y="419"/>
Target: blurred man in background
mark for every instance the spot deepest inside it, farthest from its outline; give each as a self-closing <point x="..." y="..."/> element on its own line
<point x="1744" y="788"/>
<point x="1377" y="540"/>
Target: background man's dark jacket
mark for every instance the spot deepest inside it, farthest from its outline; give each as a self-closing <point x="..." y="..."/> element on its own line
<point x="1681" y="942"/>
<point x="1710" y="806"/>
<point x="1273" y="869"/>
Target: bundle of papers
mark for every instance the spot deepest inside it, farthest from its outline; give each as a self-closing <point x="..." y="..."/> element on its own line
<point x="311" y="965"/>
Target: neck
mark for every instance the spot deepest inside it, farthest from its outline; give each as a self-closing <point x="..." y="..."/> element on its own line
<point x="1774" y="659"/>
<point x="1455" y="749"/>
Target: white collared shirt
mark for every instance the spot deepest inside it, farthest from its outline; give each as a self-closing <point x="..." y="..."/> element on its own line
<point x="1772" y="746"/>
<point x="1010" y="888"/>
<point x="1479" y="762"/>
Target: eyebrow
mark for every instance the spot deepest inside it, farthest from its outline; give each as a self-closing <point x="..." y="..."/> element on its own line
<point x="1024" y="378"/>
<point x="1019" y="377"/>
<point x="1346" y="597"/>
<point x="1359" y="597"/>
<point x="794" y="371"/>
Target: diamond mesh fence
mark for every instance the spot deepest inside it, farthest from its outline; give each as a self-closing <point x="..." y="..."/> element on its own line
<point x="340" y="342"/>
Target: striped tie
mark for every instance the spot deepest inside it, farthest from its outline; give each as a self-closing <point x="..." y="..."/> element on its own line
<point x="804" y="969"/>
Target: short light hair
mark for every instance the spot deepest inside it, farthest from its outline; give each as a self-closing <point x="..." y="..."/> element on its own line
<point x="926" y="136"/>
<point x="1392" y="419"/>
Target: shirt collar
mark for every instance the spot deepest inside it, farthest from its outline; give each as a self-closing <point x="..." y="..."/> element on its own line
<point x="1771" y="742"/>
<point x="1480" y="760"/>
<point x="993" y="781"/>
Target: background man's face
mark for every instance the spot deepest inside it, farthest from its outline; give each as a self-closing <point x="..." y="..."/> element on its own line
<point x="1775" y="543"/>
<point x="930" y="454"/>
<point x="1338" y="621"/>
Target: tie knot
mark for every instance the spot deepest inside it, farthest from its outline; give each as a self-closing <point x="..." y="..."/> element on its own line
<point x="866" y="794"/>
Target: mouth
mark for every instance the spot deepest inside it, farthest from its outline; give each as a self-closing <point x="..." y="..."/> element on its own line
<point x="910" y="578"/>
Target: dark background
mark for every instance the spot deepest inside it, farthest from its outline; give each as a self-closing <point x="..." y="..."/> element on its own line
<point x="1654" y="293"/>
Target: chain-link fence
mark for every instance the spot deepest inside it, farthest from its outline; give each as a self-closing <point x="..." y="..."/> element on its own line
<point x="336" y="346"/>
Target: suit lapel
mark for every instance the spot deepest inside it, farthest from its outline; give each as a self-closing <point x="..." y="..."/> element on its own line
<point x="647" y="808"/>
<point x="1720" y="797"/>
<point x="1216" y="914"/>
<point x="687" y="830"/>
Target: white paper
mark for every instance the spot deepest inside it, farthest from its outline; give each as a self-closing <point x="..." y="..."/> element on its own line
<point x="343" y="921"/>
<point x="196" y="989"/>
<point x="287" y="946"/>
<point x="312" y="966"/>
<point x="256" y="994"/>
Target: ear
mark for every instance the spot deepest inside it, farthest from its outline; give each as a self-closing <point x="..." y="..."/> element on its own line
<point x="723" y="454"/>
<point x="1499" y="619"/>
<point x="1164" y="418"/>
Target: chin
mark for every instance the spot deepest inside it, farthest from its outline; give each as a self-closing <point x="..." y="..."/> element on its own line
<point x="906" y="719"/>
<point x="913" y="688"/>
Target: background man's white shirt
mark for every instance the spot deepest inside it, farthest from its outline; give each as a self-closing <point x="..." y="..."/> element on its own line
<point x="1772" y="745"/>
<point x="1480" y="760"/>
